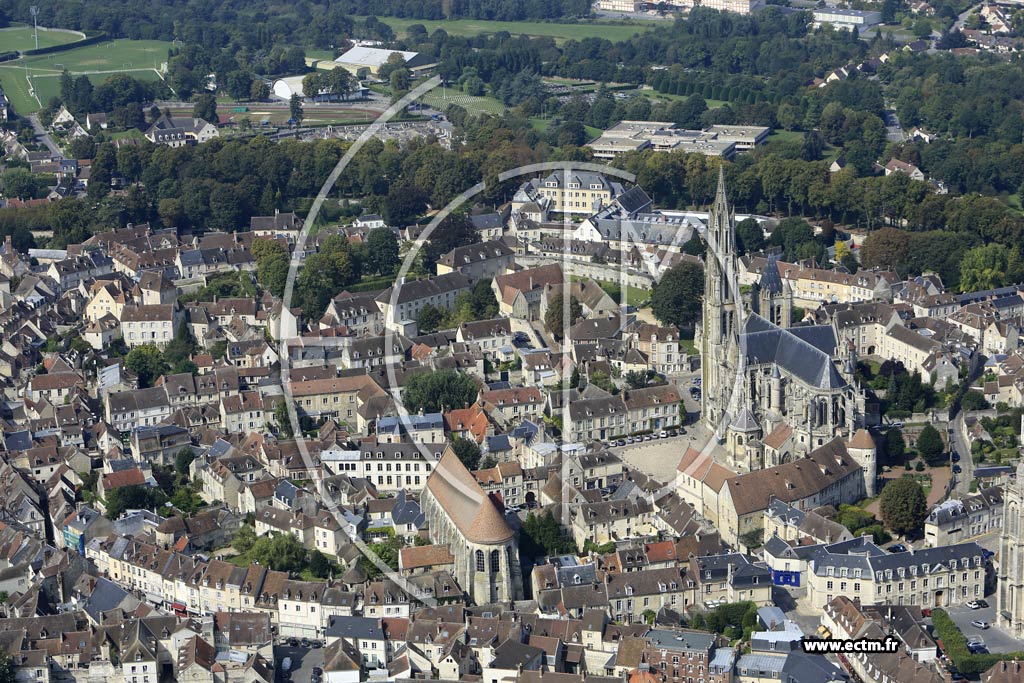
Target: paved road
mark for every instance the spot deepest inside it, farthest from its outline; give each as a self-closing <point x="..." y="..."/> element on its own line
<point x="960" y="446"/>
<point x="44" y="137"/>
<point x="962" y="17"/>
<point x="893" y="130"/>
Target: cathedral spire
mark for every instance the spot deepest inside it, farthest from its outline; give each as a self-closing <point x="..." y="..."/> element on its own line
<point x="721" y="204"/>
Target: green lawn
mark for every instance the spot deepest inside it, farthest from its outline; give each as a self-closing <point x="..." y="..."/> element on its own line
<point x="15" y="86"/>
<point x="130" y="133"/>
<point x="560" y="32"/>
<point x="786" y="136"/>
<point x="440" y="99"/>
<point x="140" y="58"/>
<point x="654" y="94"/>
<point x="48" y="85"/>
<point x="108" y="56"/>
<point x="21" y="38"/>
<point x="542" y="125"/>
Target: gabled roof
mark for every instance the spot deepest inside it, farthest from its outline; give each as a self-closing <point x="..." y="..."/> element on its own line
<point x="471" y="510"/>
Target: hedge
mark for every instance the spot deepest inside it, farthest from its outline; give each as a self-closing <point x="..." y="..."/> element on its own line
<point x="955" y="646"/>
<point x="88" y="40"/>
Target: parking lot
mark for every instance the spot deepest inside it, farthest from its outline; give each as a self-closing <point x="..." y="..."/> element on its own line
<point x="995" y="639"/>
<point x="658" y="457"/>
<point x="303" y="661"/>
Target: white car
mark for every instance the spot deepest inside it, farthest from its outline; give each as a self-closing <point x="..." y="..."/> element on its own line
<point x="973" y="604"/>
<point x="977" y="623"/>
<point x="663" y="434"/>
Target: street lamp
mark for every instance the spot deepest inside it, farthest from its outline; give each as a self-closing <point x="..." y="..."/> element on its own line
<point x="33" y="10"/>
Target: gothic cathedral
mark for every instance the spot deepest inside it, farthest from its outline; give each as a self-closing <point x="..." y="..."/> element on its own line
<point x="772" y="390"/>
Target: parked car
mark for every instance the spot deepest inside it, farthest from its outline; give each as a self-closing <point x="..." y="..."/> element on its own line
<point x="663" y="434"/>
<point x="978" y="623"/>
<point x="898" y="548"/>
<point x="984" y="604"/>
<point x="956" y="457"/>
<point x="974" y="604"/>
<point x="957" y="469"/>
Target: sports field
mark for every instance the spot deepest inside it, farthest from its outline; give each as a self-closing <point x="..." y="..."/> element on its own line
<point x="560" y="32"/>
<point x="31" y="81"/>
<point x="20" y="38"/>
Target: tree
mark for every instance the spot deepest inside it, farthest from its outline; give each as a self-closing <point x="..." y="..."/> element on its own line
<point x="903" y="506"/>
<point x="205" y="108"/>
<point x="889" y="8"/>
<point x="885" y="248"/>
<point x="399" y="81"/>
<point x="676" y="298"/>
<point x="974" y="400"/>
<point x="929" y="443"/>
<point x="429" y="319"/>
<point x="284" y="421"/>
<point x="183" y="461"/>
<point x="134" y="497"/>
<point x="554" y="317"/>
<point x="382" y="251"/>
<point x="792" y="234"/>
<point x="895" y="446"/>
<point x="541" y="535"/>
<point x="146" y="362"/>
<point x="436" y="391"/>
<point x="636" y="379"/>
<point x="18" y="183"/>
<point x="749" y="236"/>
<point x="180" y="349"/>
<point x="295" y="109"/>
<point x="245" y="538"/>
<point x="259" y="90"/>
<point x="467" y="451"/>
<point x="456" y="230"/>
<point x="7" y="673"/>
<point x="319" y="565"/>
<point x="985" y="267"/>
<point x="283" y="553"/>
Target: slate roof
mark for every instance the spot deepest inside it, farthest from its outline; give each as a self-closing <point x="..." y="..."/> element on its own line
<point x="792" y="351"/>
<point x="771" y="281"/>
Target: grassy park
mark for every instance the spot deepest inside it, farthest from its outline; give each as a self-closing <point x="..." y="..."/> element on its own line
<point x="21" y="38"/>
<point x="143" y="59"/>
<point x="560" y="32"/>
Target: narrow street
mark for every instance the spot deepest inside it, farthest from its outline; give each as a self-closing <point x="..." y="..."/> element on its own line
<point x="44" y="137"/>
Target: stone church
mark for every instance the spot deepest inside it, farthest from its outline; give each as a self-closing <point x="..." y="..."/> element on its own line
<point x="466" y="520"/>
<point x="1010" y="594"/>
<point x="772" y="391"/>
